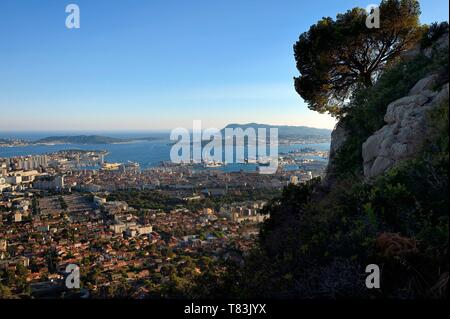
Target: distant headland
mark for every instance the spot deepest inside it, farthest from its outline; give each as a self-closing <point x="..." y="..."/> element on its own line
<point x="76" y="139"/>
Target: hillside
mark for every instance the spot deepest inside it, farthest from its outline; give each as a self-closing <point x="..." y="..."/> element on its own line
<point x="79" y="139"/>
<point x="285" y="131"/>
<point x="88" y="139"/>
<point x="11" y="142"/>
<point x="384" y="199"/>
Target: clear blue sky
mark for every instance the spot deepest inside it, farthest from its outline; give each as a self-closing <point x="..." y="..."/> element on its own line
<point x="158" y="64"/>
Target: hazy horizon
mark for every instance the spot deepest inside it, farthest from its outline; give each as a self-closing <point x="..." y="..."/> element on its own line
<point x="111" y="133"/>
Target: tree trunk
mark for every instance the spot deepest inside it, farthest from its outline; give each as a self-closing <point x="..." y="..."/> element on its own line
<point x="367" y="80"/>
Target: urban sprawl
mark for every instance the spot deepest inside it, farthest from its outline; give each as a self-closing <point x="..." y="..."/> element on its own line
<point x="131" y="232"/>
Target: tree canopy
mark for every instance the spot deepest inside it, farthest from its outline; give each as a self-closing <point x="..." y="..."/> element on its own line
<point x="335" y="57"/>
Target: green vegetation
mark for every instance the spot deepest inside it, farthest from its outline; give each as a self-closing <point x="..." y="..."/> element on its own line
<point x="317" y="246"/>
<point x="52" y="260"/>
<point x="232" y="197"/>
<point x="35" y="206"/>
<point x="434" y="32"/>
<point x="337" y="57"/>
<point x="284" y="130"/>
<point x="318" y="241"/>
<point x="158" y="199"/>
<point x="13" y="282"/>
<point x="146" y="199"/>
<point x="89" y="139"/>
<point x="365" y="112"/>
<point x="80" y="139"/>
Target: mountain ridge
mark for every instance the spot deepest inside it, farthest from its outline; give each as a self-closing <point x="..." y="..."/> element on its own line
<point x="285" y="130"/>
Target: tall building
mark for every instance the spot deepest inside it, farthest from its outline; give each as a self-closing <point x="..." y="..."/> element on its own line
<point x="56" y="183"/>
<point x="29" y="162"/>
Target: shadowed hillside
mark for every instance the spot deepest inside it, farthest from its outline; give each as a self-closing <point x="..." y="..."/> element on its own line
<point x="384" y="199"/>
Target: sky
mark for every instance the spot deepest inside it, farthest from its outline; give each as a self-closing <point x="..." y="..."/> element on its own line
<point x="158" y="64"/>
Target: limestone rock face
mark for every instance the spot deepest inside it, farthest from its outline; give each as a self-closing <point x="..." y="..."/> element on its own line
<point x="441" y="43"/>
<point x="406" y="123"/>
<point x="425" y="84"/>
<point x="338" y="138"/>
<point x="404" y="134"/>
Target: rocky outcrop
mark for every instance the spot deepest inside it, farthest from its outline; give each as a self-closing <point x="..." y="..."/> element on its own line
<point x="407" y="123"/>
<point x="338" y="138"/>
<point x="412" y="53"/>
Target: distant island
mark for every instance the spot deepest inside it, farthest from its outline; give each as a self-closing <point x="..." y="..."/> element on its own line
<point x="12" y="142"/>
<point x="77" y="139"/>
<point x="287" y="131"/>
<point x="289" y="134"/>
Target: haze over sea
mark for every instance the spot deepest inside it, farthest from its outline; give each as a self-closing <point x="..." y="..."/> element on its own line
<point x="146" y="153"/>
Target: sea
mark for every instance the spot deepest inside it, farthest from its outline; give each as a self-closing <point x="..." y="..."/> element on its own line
<point x="147" y="153"/>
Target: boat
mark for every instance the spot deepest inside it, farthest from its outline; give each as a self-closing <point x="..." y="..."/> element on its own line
<point x="264" y="163"/>
<point x="212" y="164"/>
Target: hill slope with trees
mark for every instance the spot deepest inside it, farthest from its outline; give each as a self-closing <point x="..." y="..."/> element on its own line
<point x="321" y="235"/>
